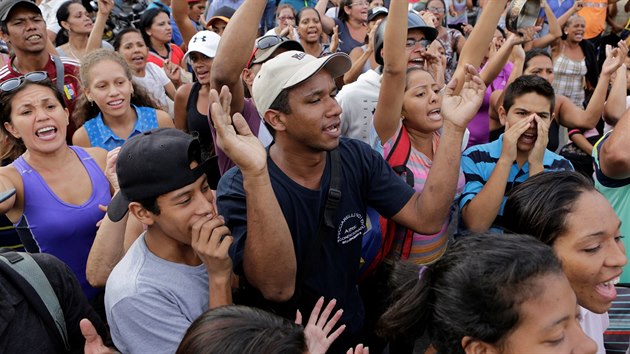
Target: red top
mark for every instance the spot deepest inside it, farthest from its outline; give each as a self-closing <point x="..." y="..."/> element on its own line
<point x="176" y="56"/>
<point x="72" y="84"/>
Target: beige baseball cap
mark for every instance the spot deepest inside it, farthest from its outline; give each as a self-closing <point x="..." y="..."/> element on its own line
<point x="289" y="69"/>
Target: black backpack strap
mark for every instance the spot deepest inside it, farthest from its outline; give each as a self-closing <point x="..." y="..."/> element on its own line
<point x="326" y="219"/>
<point x="334" y="190"/>
<point x="60" y="74"/>
<point x="29" y="279"/>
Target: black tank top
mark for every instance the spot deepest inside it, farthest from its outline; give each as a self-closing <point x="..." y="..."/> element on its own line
<point x="198" y="123"/>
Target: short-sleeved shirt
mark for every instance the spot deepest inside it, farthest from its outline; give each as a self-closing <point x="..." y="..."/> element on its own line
<point x="154" y="81"/>
<point x="424" y="248"/>
<point x="358" y="103"/>
<point x="594" y="13"/>
<point x="72" y="84"/>
<point x="102" y="136"/>
<point x="150" y="302"/>
<point x="479" y="161"/>
<point x="367" y="180"/>
<point x="617" y="191"/>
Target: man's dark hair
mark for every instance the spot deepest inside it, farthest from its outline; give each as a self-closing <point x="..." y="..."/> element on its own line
<point x="281" y="103"/>
<point x="528" y="84"/>
<point x="151" y="205"/>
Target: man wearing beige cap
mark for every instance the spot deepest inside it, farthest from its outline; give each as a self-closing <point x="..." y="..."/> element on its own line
<point x="297" y="211"/>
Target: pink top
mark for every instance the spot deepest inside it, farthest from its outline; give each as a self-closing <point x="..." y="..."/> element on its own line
<point x="479" y="126"/>
<point x="425" y="249"/>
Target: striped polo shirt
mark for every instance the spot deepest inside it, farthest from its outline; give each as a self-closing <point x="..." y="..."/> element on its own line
<point x="479" y="161"/>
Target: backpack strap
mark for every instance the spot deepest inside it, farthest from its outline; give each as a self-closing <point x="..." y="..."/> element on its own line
<point x="34" y="284"/>
<point x="397" y="159"/>
<point x="399" y="155"/>
<point x="334" y="190"/>
<point x="330" y="207"/>
<point x="60" y="74"/>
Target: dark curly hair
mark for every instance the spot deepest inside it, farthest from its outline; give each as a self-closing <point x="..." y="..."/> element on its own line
<point x="85" y="110"/>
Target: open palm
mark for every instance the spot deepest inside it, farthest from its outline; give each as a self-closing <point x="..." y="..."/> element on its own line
<point x="234" y="136"/>
<point x="461" y="108"/>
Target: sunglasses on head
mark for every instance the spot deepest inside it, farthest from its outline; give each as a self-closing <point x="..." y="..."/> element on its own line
<point x="263" y="43"/>
<point x="15" y="83"/>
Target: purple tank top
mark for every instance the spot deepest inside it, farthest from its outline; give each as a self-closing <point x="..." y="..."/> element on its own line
<point x="479" y="126"/>
<point x="50" y="225"/>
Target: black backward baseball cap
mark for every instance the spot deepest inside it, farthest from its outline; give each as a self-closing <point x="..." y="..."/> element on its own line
<point x="7" y="5"/>
<point x="157" y="162"/>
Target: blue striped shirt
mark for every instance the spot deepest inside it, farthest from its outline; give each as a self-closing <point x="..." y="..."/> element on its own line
<point x="479" y="161"/>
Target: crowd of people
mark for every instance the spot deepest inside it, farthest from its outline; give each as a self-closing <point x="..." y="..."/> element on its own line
<point x="330" y="176"/>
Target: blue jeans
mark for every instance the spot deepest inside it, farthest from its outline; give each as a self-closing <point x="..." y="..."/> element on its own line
<point x="268" y="20"/>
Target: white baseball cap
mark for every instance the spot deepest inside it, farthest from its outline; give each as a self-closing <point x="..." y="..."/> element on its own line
<point x="289" y="69"/>
<point x="204" y="42"/>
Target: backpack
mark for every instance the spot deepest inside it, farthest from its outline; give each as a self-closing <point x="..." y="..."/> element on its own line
<point x="27" y="276"/>
<point x="378" y="239"/>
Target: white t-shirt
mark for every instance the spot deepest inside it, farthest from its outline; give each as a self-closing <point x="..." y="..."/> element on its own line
<point x="154" y="81"/>
<point x="332" y="12"/>
<point x="49" y="13"/>
<point x="594" y="325"/>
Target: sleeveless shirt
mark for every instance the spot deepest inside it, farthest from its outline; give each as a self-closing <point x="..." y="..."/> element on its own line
<point x="50" y="225"/>
<point x="198" y="123"/>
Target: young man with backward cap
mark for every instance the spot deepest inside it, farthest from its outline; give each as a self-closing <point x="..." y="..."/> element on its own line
<point x="273" y="201"/>
<point x="180" y="265"/>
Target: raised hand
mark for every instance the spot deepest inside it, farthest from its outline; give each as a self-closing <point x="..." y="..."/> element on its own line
<point x="434" y="64"/>
<point x="173" y="71"/>
<point x="429" y="18"/>
<point x="359" y="349"/>
<point x="525" y="34"/>
<point x="234" y="136"/>
<point x="105" y="6"/>
<point x="434" y="49"/>
<point x="318" y="327"/>
<point x="334" y="40"/>
<point x="371" y="35"/>
<point x="461" y="108"/>
<point x="614" y="58"/>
